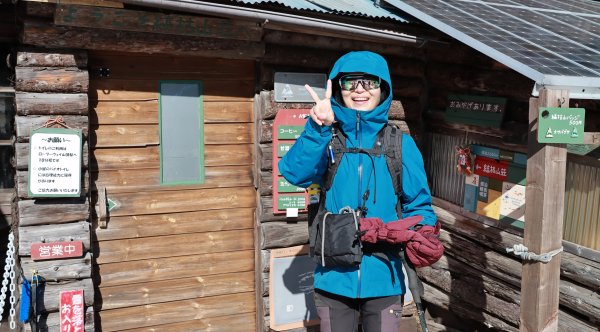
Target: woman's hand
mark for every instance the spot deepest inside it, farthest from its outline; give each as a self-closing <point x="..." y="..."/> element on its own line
<point x="321" y="113"/>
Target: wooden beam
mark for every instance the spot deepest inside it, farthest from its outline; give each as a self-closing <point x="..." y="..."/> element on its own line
<point x="38" y="33"/>
<point x="546" y="171"/>
<point x="591" y="138"/>
<point x="150" y="22"/>
<point x="96" y="3"/>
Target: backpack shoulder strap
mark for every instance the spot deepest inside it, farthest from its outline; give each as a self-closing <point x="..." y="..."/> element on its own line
<point x="392" y="142"/>
<point x="337" y="148"/>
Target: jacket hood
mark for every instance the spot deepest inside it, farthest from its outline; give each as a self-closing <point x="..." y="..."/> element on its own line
<point x="361" y="62"/>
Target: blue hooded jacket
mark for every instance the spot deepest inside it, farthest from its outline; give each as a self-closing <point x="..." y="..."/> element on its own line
<point x="306" y="163"/>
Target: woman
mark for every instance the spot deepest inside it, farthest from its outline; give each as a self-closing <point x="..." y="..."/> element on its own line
<point x="357" y="101"/>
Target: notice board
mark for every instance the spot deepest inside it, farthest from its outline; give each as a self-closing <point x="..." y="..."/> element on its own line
<point x="291" y="303"/>
<point x="496" y="189"/>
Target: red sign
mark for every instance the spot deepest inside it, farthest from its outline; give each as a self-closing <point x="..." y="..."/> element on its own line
<point x="491" y="168"/>
<point x="288" y="125"/>
<point x="71" y="311"/>
<point x="56" y="250"/>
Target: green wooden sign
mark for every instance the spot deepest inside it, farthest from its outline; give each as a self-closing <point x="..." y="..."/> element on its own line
<point x="291" y="202"/>
<point x="561" y="125"/>
<point x="283" y="148"/>
<point x="283" y="186"/>
<point x="475" y="110"/>
<point x="289" y="132"/>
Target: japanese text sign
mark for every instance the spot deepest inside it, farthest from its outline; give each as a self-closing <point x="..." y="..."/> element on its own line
<point x="55" y="163"/>
<point x="561" y="125"/>
<point x="287" y="127"/>
<point x="491" y="168"/>
<point x="56" y="250"/>
<point x="72" y="311"/>
<point x="475" y="110"/>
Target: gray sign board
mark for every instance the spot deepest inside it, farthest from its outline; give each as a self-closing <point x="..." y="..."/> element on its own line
<point x="289" y="87"/>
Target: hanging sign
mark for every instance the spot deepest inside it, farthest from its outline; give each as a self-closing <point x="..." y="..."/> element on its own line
<point x="287" y="127"/>
<point x="55" y="163"/>
<point x="71" y="311"/>
<point x="289" y="87"/>
<point x="56" y="250"/>
<point x="561" y="125"/>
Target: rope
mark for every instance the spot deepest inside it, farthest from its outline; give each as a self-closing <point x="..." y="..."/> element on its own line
<point x="56" y="121"/>
<point x="521" y="250"/>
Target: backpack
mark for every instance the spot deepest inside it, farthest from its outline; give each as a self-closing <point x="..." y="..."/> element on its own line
<point x="344" y="247"/>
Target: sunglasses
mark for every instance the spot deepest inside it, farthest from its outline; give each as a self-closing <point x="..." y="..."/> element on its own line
<point x="351" y="82"/>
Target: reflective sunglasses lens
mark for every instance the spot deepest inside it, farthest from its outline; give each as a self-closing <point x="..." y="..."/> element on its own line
<point x="370" y="84"/>
<point x="347" y="84"/>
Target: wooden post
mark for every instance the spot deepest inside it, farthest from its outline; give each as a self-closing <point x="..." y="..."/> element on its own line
<point x="546" y="168"/>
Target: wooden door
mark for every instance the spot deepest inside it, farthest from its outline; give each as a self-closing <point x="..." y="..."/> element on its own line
<point x="172" y="257"/>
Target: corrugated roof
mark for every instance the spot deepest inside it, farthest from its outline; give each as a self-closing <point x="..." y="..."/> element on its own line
<point x="361" y="8"/>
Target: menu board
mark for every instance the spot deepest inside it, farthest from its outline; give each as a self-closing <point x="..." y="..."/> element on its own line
<point x="287" y="127"/>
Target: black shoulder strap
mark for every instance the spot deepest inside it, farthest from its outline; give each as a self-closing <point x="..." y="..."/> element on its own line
<point x="337" y="148"/>
<point x="392" y="141"/>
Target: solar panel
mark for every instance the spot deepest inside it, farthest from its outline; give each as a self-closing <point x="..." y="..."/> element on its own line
<point x="553" y="42"/>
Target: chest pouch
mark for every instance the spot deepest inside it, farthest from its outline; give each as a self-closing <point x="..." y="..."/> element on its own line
<point x="335" y="238"/>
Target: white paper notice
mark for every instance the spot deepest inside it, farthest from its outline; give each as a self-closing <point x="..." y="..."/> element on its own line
<point x="55" y="163"/>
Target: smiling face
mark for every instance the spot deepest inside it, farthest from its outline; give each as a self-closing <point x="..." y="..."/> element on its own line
<point x="361" y="93"/>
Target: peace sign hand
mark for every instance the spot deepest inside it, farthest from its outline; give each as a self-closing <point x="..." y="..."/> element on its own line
<point x="321" y="113"/>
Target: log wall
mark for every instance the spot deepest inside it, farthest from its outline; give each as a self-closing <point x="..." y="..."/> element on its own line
<point x="196" y="257"/>
<point x="54" y="75"/>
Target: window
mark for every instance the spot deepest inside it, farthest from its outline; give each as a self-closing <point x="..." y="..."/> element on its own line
<point x="181" y="132"/>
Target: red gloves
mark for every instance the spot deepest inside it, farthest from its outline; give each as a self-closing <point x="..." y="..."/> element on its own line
<point x="423" y="246"/>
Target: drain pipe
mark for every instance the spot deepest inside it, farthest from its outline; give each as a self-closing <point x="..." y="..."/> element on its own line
<point x="202" y="7"/>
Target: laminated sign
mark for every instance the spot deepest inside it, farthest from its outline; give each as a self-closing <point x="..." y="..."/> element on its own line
<point x="55" y="163"/>
<point x="287" y="127"/>
<point x="561" y="125"/>
<point x="71" y="311"/>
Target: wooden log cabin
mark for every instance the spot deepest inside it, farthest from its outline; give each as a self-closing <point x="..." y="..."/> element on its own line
<point x="175" y="103"/>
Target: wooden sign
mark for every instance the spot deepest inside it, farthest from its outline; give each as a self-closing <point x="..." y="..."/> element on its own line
<point x="142" y="21"/>
<point x="475" y="110"/>
<point x="561" y="125"/>
<point x="291" y="289"/>
<point x="55" y="163"/>
<point x="71" y="311"/>
<point x="287" y="127"/>
<point x="56" y="250"/>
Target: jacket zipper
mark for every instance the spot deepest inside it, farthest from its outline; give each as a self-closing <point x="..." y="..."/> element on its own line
<point x="359" y="137"/>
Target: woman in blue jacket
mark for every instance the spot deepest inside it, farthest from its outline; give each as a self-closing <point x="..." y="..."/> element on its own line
<point x="358" y="98"/>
